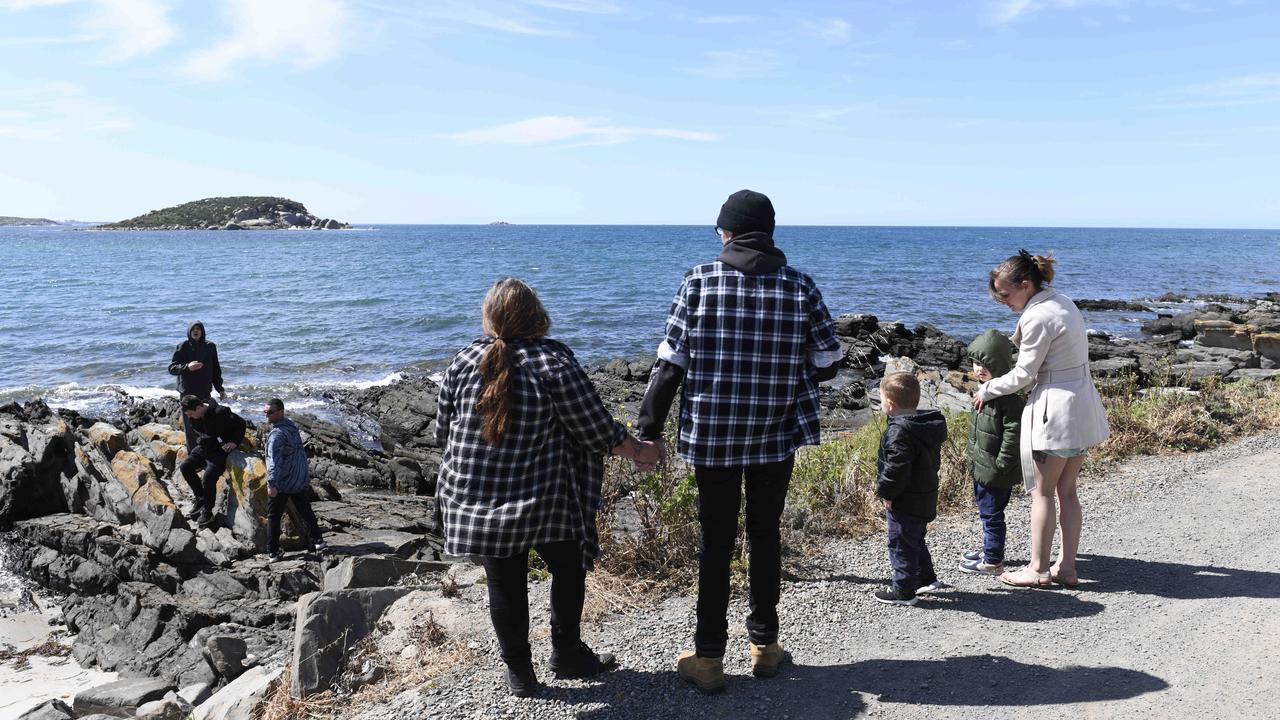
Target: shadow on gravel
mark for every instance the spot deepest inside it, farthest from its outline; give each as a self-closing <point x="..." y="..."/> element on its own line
<point x="1013" y="605"/>
<point x="987" y="680"/>
<point x="797" y="692"/>
<point x="1104" y="573"/>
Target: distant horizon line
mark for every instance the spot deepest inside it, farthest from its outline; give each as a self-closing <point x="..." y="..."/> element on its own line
<point x="712" y="225"/>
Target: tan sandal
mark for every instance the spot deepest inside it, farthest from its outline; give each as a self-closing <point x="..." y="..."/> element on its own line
<point x="1026" y="579"/>
<point x="1067" y="580"/>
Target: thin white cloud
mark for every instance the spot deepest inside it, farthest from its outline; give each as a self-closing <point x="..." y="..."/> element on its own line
<point x="593" y="7"/>
<point x="1255" y="89"/>
<point x="301" y="33"/>
<point x="734" y="65"/>
<point x="1006" y="11"/>
<point x="566" y="130"/>
<point x="55" y="111"/>
<point x="127" y="28"/>
<point x="834" y="30"/>
<point x="724" y="20"/>
<point x="503" y="17"/>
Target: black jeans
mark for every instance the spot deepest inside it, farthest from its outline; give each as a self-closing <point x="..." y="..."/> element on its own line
<point x="275" y="511"/>
<point x="908" y="553"/>
<point x="991" y="505"/>
<point x="509" y="597"/>
<point x="213" y="461"/>
<point x="719" y="498"/>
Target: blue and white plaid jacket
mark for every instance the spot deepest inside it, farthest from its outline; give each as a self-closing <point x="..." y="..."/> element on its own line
<point x="541" y="482"/>
<point x="286" y="460"/>
<point x="749" y="345"/>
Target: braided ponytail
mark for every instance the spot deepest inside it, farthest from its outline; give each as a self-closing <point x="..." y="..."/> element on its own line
<point x="511" y="311"/>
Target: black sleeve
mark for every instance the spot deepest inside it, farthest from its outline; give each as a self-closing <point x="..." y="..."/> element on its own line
<point x="664" y="381"/>
<point x="217" y="369"/>
<point x="178" y="364"/>
<point x="236" y="427"/>
<point x="895" y="468"/>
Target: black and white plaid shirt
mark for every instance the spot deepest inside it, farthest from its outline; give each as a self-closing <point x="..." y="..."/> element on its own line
<point x="748" y="344"/>
<point x="541" y="482"/>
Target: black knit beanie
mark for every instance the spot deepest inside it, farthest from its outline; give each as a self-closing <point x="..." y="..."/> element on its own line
<point x="746" y="211"/>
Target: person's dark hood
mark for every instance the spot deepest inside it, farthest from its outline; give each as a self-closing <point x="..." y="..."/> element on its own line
<point x="752" y="253"/>
<point x="928" y="427"/>
<point x="204" y="334"/>
<point x="994" y="350"/>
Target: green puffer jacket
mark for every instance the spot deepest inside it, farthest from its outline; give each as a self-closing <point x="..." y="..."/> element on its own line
<point x="993" y="454"/>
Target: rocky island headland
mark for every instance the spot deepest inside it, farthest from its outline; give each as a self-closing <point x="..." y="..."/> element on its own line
<point x="230" y="213"/>
<point x="9" y="221"/>
<point x="198" y="621"/>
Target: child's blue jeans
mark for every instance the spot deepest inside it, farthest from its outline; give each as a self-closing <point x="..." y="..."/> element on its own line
<point x="908" y="554"/>
<point x="991" y="505"/>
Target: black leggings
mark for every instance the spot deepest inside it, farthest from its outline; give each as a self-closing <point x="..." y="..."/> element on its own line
<point x="509" y="597"/>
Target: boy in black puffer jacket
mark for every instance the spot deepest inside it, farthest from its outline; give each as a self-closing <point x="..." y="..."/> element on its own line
<point x="993" y="456"/>
<point x="907" y="481"/>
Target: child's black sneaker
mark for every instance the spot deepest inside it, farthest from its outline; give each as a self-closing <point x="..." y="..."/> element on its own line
<point x="977" y="567"/>
<point x="971" y="555"/>
<point x="276" y="556"/>
<point x="895" y="596"/>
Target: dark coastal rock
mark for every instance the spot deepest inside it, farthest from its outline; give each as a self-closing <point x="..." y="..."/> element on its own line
<point x="36" y="452"/>
<point x="328" y="625"/>
<point x="49" y="710"/>
<point x="170" y="707"/>
<point x="226" y="655"/>
<point x="377" y="571"/>
<point x="121" y="697"/>
<point x="1116" y="367"/>
<point x="1199" y="353"/>
<point x="242" y="698"/>
<point x="1125" y="305"/>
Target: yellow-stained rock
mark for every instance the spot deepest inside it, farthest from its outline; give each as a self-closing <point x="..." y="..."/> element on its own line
<point x="109" y="438"/>
<point x="167" y="454"/>
<point x="1267" y="345"/>
<point x="138" y="475"/>
<point x="1224" y="334"/>
<point x="245" y="485"/>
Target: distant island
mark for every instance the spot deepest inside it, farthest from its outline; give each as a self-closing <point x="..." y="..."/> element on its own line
<point x="6" y="221"/>
<point x="230" y="213"/>
<point x="499" y="222"/>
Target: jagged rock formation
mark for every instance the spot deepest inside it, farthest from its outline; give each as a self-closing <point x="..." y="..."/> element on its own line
<point x="230" y="213"/>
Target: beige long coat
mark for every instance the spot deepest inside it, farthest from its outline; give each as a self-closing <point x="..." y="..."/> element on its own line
<point x="1064" y="410"/>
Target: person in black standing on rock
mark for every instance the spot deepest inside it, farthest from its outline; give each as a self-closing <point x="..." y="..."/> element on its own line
<point x="195" y="362"/>
<point x="218" y="432"/>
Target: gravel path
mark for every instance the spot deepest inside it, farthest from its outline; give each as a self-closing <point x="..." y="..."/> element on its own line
<point x="1176" y="616"/>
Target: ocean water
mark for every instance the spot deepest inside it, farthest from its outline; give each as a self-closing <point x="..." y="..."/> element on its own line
<point x="87" y="313"/>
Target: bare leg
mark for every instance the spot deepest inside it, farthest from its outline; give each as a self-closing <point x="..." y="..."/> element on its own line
<point x="1043" y="522"/>
<point x="1071" y="517"/>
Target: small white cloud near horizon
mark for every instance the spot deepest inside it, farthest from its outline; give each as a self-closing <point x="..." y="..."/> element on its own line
<point x="724" y="20"/>
<point x="562" y="129"/>
<point x="301" y="33"/>
<point x="497" y="17"/>
<point x="129" y="28"/>
<point x="56" y="110"/>
<point x="734" y="65"/>
<point x="592" y="7"/>
<point x="833" y="30"/>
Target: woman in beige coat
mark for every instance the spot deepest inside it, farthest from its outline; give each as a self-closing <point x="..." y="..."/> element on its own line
<point x="1063" y="418"/>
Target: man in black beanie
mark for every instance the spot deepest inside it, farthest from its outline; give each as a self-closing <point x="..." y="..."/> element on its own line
<point x="749" y="338"/>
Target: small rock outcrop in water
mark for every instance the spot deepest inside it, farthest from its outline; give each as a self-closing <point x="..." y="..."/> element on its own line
<point x="230" y="213"/>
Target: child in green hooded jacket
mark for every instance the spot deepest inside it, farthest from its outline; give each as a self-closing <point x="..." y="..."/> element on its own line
<point x="993" y="456"/>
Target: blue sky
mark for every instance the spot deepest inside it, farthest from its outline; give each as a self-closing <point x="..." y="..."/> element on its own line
<point x="1011" y="112"/>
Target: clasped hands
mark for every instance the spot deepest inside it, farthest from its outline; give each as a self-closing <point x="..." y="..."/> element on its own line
<point x="649" y="454"/>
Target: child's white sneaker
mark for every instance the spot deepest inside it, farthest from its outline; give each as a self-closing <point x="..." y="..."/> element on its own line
<point x="934" y="586"/>
<point x="977" y="567"/>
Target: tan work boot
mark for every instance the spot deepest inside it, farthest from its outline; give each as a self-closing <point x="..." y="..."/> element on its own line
<point x="707" y="674"/>
<point x="765" y="659"/>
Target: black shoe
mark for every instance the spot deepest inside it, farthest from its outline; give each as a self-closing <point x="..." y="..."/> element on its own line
<point x="895" y="596"/>
<point x="320" y="546"/>
<point x="276" y="556"/>
<point x="521" y="680"/>
<point x="579" y="661"/>
<point x="971" y="555"/>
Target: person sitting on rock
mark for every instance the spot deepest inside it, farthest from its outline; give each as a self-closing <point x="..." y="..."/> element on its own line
<point x="218" y="431"/>
<point x="195" y="362"/>
<point x="524" y="435"/>
<point x="287" y="479"/>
